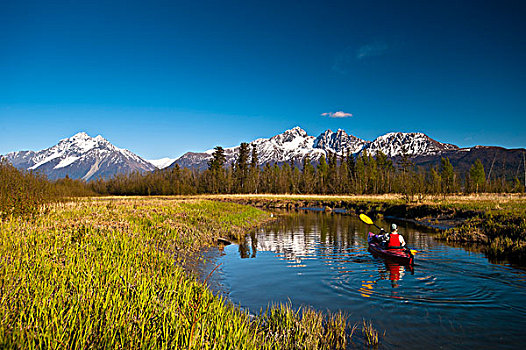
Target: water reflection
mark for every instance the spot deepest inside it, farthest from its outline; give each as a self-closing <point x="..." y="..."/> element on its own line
<point x="321" y="260"/>
<point x="300" y="236"/>
<point x="335" y="240"/>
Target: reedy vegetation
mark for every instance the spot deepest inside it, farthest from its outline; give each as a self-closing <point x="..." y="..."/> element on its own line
<point x="101" y="273"/>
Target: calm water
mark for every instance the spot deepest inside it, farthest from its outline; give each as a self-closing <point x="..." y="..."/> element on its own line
<point x="451" y="299"/>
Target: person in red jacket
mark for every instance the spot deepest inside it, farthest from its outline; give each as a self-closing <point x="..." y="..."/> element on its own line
<point x="395" y="239"/>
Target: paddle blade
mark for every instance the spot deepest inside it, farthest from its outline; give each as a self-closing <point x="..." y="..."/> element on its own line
<point x="414" y="251"/>
<point x="366" y="219"/>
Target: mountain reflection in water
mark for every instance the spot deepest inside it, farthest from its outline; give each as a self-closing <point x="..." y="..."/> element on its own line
<point x="451" y="298"/>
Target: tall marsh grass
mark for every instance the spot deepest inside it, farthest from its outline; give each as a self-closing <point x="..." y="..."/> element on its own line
<point x="103" y="274"/>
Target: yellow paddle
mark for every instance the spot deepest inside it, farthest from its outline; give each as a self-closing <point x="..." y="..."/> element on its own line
<point x="368" y="221"/>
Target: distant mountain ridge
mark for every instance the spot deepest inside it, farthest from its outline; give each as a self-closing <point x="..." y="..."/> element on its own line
<point x="412" y="144"/>
<point x="80" y="157"/>
<point x="89" y="158"/>
<point x="295" y="144"/>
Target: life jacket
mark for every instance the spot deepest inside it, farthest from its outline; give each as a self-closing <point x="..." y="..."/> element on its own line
<point x="394" y="240"/>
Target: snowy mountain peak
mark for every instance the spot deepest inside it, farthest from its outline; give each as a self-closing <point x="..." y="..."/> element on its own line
<point x="81" y="143"/>
<point x="292" y="138"/>
<point x="291" y="134"/>
<point x="80" y="135"/>
<point x="80" y="156"/>
<point x="297" y="130"/>
<point x="339" y="142"/>
<point x="410" y="143"/>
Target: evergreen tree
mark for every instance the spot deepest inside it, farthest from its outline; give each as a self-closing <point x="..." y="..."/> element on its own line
<point x="308" y="176"/>
<point x="285" y="178"/>
<point x="385" y="167"/>
<point x="322" y="172"/>
<point x="477" y="176"/>
<point x="332" y="173"/>
<point x="254" y="170"/>
<point x="267" y="179"/>
<point x="372" y="174"/>
<point x="447" y="176"/>
<point x="218" y="159"/>
<point x="360" y="179"/>
<point x="351" y="168"/>
<point x="241" y="170"/>
<point x="276" y="179"/>
<point x="435" y="181"/>
<point x="217" y="172"/>
<point x="295" y="178"/>
<point x="343" y="173"/>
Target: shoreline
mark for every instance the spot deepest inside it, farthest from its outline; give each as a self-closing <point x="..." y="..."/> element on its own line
<point x="497" y="223"/>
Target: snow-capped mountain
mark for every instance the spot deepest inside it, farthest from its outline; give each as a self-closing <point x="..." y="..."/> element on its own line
<point x="413" y="144"/>
<point x="295" y="144"/>
<point x="85" y="157"/>
<point x="339" y="142"/>
<point x="80" y="157"/>
<point x="162" y="162"/>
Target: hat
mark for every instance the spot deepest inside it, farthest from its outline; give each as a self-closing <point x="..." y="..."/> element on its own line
<point x="394" y="227"/>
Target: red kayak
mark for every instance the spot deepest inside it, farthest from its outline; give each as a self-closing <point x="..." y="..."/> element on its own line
<point x="401" y="255"/>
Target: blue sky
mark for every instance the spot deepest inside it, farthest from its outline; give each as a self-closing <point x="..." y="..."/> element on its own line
<point x="165" y="77"/>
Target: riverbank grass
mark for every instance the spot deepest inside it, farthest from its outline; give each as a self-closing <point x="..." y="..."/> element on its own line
<point x="106" y="273"/>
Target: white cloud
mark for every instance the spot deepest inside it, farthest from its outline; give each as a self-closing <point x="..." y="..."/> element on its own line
<point x="339" y="114"/>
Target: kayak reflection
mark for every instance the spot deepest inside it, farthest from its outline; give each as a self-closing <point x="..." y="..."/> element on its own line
<point x="395" y="269"/>
<point x="393" y="272"/>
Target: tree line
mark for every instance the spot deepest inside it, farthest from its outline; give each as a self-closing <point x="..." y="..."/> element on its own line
<point x="331" y="174"/>
<point x="27" y="192"/>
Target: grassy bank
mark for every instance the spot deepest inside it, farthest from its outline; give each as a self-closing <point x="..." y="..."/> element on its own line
<point x="101" y="273"/>
<point x="495" y="222"/>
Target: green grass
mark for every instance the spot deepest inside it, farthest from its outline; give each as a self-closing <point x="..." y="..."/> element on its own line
<point x="502" y="234"/>
<point x="102" y="274"/>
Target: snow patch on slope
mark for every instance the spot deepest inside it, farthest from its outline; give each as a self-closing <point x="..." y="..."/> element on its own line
<point x="66" y="161"/>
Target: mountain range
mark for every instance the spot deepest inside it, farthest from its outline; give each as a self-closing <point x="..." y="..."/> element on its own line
<point x="84" y="157"/>
<point x="295" y="144"/>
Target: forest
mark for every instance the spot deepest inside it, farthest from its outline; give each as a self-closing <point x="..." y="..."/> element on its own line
<point x="22" y="192"/>
<point x="334" y="174"/>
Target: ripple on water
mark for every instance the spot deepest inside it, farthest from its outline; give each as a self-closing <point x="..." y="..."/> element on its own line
<point x="451" y="296"/>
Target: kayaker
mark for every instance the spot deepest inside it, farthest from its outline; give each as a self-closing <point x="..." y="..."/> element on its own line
<point x="383" y="237"/>
<point x="395" y="240"/>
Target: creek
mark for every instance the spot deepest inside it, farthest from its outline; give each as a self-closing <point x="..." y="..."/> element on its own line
<point x="451" y="298"/>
